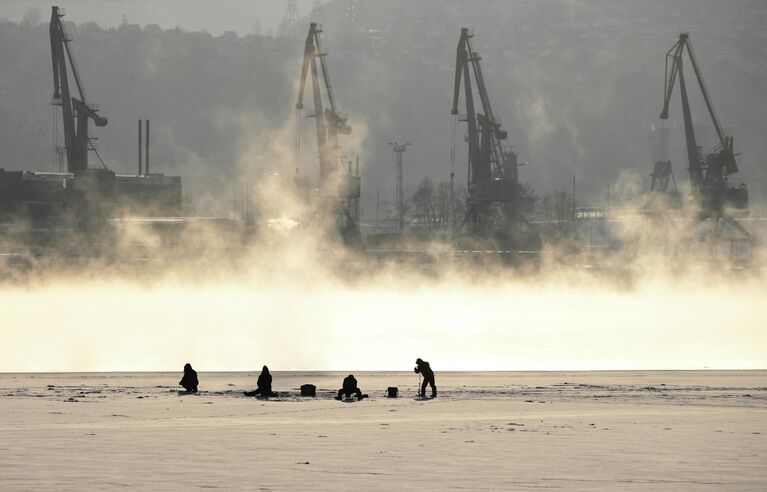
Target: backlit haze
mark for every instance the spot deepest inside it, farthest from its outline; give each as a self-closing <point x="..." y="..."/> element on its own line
<point x="303" y="318"/>
<point x="296" y="301"/>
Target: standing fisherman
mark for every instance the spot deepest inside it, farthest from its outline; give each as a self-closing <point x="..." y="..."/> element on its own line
<point x="423" y="368"/>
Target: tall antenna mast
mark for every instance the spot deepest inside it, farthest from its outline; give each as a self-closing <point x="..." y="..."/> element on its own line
<point x="289" y="20"/>
<point x="317" y="12"/>
<point x="351" y="14"/>
<point x="400" y="149"/>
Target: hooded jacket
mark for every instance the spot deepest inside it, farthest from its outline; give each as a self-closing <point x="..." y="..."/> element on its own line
<point x="424" y="368"/>
<point x="190" y="377"/>
<point x="265" y="380"/>
<point x="350" y="382"/>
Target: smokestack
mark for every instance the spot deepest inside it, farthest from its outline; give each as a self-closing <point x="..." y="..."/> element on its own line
<point x="146" y="147"/>
<point x="140" y="149"/>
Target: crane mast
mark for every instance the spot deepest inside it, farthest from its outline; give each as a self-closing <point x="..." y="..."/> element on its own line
<point x="339" y="185"/>
<point x="492" y="171"/>
<point x="76" y="111"/>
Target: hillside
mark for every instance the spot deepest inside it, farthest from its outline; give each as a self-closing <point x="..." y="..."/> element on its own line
<point x="578" y="85"/>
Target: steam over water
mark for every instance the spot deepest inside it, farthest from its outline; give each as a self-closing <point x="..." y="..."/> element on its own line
<point x="553" y="322"/>
<point x="295" y="309"/>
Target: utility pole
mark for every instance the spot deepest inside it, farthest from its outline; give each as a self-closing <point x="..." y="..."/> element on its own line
<point x="573" y="195"/>
<point x="452" y="174"/>
<point x="297" y="142"/>
<point x="400" y="149"/>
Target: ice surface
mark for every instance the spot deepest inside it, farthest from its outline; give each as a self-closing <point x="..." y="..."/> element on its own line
<point x="486" y="431"/>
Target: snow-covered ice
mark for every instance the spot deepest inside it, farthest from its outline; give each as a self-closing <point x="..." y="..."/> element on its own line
<point x="680" y="431"/>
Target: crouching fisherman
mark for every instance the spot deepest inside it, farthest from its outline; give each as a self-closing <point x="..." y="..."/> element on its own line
<point x="189" y="381"/>
<point x="349" y="388"/>
<point x="423" y="368"/>
<point x="263" y="385"/>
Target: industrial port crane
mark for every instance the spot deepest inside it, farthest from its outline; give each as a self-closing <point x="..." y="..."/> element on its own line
<point x="74" y="110"/>
<point x="711" y="194"/>
<point x="339" y="185"/>
<point x="492" y="171"/>
<point x="93" y="193"/>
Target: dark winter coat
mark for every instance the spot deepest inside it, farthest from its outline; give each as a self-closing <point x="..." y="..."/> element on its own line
<point x="265" y="381"/>
<point x="424" y="368"/>
<point x="189" y="381"/>
<point x="350" y="382"/>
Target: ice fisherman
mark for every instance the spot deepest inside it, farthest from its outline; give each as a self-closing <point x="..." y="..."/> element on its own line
<point x="349" y="387"/>
<point x="189" y="381"/>
<point x="423" y="368"/>
<point x="263" y="385"/>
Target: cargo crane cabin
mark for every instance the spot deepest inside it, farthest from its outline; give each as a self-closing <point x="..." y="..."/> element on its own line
<point x="87" y="195"/>
<point x="339" y="182"/>
<point x="712" y="196"/>
<point x="492" y="170"/>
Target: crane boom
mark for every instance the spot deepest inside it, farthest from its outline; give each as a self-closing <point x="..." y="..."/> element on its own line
<point x="325" y="71"/>
<point x="673" y="65"/>
<point x="706" y="96"/>
<point x="462" y="71"/>
<point x="498" y="133"/>
<point x="695" y="166"/>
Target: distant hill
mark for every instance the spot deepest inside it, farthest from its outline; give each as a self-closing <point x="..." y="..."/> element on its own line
<point x="578" y="85"/>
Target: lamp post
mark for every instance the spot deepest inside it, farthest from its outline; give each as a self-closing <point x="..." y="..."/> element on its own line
<point x="400" y="149"/>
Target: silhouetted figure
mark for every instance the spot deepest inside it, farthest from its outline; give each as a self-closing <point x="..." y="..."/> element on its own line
<point x="349" y="387"/>
<point x="189" y="381"/>
<point x="264" y="384"/>
<point x="423" y="368"/>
